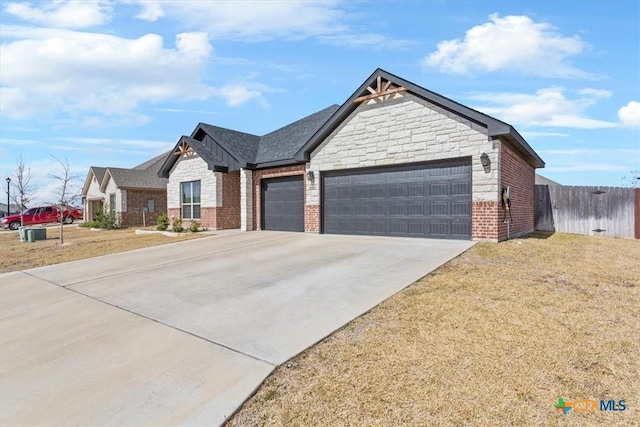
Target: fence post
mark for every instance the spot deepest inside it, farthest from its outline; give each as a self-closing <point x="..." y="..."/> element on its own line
<point x="636" y="211"/>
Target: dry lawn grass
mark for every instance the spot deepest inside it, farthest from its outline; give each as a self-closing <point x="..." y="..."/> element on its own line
<point x="494" y="337"/>
<point x="79" y="243"/>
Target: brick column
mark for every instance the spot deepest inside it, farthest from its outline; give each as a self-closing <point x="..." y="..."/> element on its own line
<point x="246" y="200"/>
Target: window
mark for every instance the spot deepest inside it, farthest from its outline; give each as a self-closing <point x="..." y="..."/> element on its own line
<point x="191" y="200"/>
<point x="112" y="204"/>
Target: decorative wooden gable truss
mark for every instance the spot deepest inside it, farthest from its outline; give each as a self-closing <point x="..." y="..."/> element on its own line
<point x="183" y="149"/>
<point x="383" y="88"/>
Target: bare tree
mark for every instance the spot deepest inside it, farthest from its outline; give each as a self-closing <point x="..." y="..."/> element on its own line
<point x="632" y="180"/>
<point x="66" y="192"/>
<point x="23" y="188"/>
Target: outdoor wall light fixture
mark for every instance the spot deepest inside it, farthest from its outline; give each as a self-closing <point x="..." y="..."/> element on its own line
<point x="484" y="159"/>
<point x="310" y="176"/>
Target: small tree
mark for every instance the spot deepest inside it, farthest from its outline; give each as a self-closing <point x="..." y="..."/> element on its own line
<point x="23" y="188"/>
<point x="632" y="180"/>
<point x="66" y="192"/>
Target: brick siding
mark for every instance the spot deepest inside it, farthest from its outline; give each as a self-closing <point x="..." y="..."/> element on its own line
<point x="173" y="213"/>
<point x="228" y="216"/>
<point x="258" y="175"/>
<point x="312" y="218"/>
<point x="516" y="173"/>
<point x="484" y="220"/>
<point x="136" y="199"/>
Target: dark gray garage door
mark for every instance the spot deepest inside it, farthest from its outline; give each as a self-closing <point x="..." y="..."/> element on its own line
<point x="424" y="200"/>
<point x="283" y="204"/>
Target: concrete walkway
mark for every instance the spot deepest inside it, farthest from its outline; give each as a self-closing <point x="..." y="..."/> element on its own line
<point x="183" y="333"/>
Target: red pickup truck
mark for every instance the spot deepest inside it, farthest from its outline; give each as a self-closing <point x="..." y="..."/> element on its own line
<point x="41" y="215"/>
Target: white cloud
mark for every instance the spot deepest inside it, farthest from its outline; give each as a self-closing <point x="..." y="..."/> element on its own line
<point x="63" y="14"/>
<point x="514" y="44"/>
<point x="629" y="115"/>
<point x="236" y="94"/>
<point x="258" y="20"/>
<point x="150" y="10"/>
<point x="590" y="159"/>
<point x="79" y="72"/>
<point x="253" y="21"/>
<point x="546" y="107"/>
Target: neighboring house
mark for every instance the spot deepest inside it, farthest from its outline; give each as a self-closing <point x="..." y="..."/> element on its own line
<point x="126" y="193"/>
<point x="541" y="180"/>
<point x="13" y="209"/>
<point x="395" y="159"/>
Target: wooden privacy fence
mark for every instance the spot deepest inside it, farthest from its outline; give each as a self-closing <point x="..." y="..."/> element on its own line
<point x="593" y="211"/>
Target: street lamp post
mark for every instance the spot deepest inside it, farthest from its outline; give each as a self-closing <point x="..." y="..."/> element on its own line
<point x="8" y="187"/>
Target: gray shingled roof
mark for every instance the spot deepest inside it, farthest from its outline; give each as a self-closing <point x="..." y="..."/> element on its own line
<point x="156" y="161"/>
<point x="248" y="149"/>
<point x="241" y="145"/>
<point x="281" y="144"/>
<point x="98" y="172"/>
<point x="136" y="178"/>
<point x="285" y="142"/>
<point x="541" y="180"/>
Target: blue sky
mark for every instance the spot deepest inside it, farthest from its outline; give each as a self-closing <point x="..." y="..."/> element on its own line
<point x="114" y="83"/>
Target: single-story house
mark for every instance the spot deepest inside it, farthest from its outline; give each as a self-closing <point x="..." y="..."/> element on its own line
<point x="126" y="193"/>
<point x="543" y="180"/>
<point x="13" y="209"/>
<point x="394" y="160"/>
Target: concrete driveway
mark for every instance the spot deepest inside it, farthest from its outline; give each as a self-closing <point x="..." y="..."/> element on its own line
<point x="184" y="333"/>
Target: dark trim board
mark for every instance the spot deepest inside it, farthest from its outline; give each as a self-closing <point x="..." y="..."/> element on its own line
<point x="431" y="199"/>
<point x="282" y="203"/>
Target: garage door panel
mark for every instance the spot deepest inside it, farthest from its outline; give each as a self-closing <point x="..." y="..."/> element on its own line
<point x="460" y="188"/>
<point x="461" y="208"/>
<point x="427" y="200"/>
<point x="283" y="204"/>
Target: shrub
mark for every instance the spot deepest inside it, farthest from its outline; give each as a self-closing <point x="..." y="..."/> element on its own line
<point x="177" y="225"/>
<point x="105" y="220"/>
<point x="163" y="222"/>
<point x="194" y="226"/>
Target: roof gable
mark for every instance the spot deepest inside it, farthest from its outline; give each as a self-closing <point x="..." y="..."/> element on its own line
<point x="94" y="171"/>
<point x="242" y="146"/>
<point x="381" y="84"/>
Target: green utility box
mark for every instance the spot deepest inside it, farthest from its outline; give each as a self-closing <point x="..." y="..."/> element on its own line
<point x="31" y="234"/>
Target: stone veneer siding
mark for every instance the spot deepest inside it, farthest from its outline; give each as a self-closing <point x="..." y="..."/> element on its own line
<point x="259" y="175"/>
<point x="516" y="173"/>
<point x="408" y="129"/>
<point x="246" y="200"/>
<point x="93" y="193"/>
<point x="193" y="168"/>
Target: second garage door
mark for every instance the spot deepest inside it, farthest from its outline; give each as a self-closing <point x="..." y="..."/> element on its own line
<point x="422" y="200"/>
<point x="283" y="204"/>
